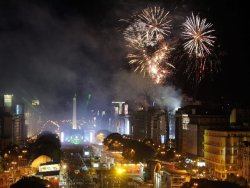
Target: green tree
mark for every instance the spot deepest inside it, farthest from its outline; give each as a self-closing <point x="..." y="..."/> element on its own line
<point x="114" y="141"/>
<point x="1" y="164"/>
<point x="10" y="153"/>
<point x="137" y="151"/>
<point x="149" y="142"/>
<point x="32" y="182"/>
<point x="47" y="143"/>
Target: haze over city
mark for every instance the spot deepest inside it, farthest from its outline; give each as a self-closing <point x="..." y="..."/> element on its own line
<point x="124" y="94"/>
<point x="51" y="50"/>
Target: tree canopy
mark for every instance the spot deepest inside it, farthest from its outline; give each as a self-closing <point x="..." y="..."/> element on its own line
<point x="32" y="182"/>
<point x="47" y="143"/>
<point x="132" y="150"/>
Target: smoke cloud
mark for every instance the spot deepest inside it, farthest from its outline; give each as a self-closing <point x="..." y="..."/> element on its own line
<point x="132" y="87"/>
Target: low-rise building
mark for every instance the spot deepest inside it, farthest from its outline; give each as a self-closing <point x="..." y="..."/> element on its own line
<point x="169" y="176"/>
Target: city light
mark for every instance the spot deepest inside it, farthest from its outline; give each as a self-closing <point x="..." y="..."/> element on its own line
<point x="120" y="170"/>
<point x="125" y="91"/>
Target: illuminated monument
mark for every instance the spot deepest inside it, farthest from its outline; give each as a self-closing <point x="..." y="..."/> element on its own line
<point x="74" y="125"/>
<point x="80" y="131"/>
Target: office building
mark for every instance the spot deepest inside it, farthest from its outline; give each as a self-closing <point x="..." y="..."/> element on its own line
<point x="222" y="150"/>
<point x="19" y="132"/>
<point x="120" y="118"/>
<point x="245" y="160"/>
<point x="192" y="121"/>
<point x="150" y="123"/>
<point x="33" y="117"/>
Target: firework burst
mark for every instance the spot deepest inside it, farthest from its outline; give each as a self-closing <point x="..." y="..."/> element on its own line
<point x="197" y="36"/>
<point x="147" y="46"/>
<point x="151" y="61"/>
<point x="198" y="43"/>
<point x="156" y="22"/>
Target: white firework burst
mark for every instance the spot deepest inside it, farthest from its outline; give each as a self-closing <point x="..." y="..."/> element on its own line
<point x="197" y="36"/>
<point x="148" y="50"/>
<point x="156" y="22"/>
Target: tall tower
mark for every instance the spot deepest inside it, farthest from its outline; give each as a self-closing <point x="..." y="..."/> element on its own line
<point x="74" y="126"/>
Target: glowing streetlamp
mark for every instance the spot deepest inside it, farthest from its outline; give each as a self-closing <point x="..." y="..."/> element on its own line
<point x="120" y="170"/>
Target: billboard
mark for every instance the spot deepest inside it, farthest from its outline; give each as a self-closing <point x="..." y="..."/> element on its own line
<point x="49" y="167"/>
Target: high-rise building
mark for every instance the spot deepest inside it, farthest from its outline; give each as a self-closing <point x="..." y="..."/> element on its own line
<point x="240" y="117"/>
<point x="8" y="101"/>
<point x="245" y="160"/>
<point x="150" y="123"/>
<point x="33" y="117"/>
<point x="12" y="122"/>
<point x="121" y="122"/>
<point x="190" y="123"/>
<point x="7" y="127"/>
<point x="170" y="124"/>
<point x="139" y="124"/>
<point x="19" y="133"/>
<point x="118" y="107"/>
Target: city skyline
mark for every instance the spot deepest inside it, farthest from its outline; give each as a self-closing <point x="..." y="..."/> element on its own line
<point x="51" y="50"/>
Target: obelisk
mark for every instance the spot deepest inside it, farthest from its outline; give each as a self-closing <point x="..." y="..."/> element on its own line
<point x="74" y="125"/>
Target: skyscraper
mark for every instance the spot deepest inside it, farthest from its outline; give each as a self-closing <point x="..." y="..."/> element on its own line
<point x="12" y="122"/>
<point x="74" y="124"/>
<point x="33" y="117"/>
<point x="7" y="117"/>
<point x="8" y="100"/>
<point x="19" y="132"/>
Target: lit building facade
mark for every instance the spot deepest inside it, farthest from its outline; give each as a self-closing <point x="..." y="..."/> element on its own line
<point x="171" y="124"/>
<point x="240" y="117"/>
<point x="33" y="117"/>
<point x="121" y="118"/>
<point x="6" y="124"/>
<point x="8" y="101"/>
<point x="190" y="124"/>
<point x="12" y="122"/>
<point x="245" y="160"/>
<point x="149" y="123"/>
<point x="170" y="177"/>
<point x="176" y="179"/>
<point x="19" y="127"/>
<point x="158" y="127"/>
<point x="139" y="124"/>
<point x="222" y="151"/>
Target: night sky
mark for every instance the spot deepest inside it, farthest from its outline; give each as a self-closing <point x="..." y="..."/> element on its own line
<point x="52" y="49"/>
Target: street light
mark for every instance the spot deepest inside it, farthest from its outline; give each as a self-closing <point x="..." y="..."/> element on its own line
<point x="64" y="166"/>
<point x="120" y="171"/>
<point x="195" y="184"/>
